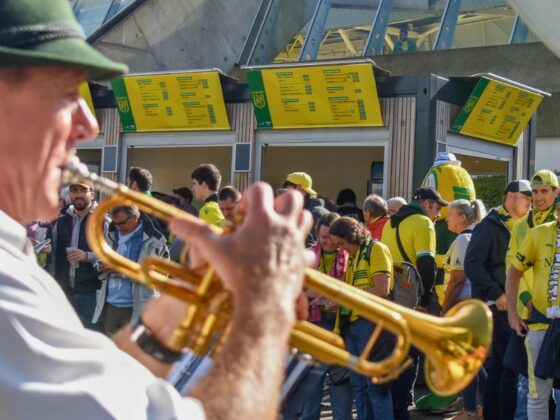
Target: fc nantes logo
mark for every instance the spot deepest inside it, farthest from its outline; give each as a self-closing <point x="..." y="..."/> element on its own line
<point x="122" y="103"/>
<point x="469" y="105"/>
<point x="259" y="99"/>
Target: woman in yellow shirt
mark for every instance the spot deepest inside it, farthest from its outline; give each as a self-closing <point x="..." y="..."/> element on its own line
<point x="370" y="268"/>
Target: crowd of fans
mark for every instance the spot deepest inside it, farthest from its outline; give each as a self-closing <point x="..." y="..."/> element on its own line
<point x="493" y="257"/>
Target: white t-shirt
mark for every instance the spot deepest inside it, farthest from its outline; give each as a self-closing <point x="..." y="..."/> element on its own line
<point x="455" y="260"/>
<point x="52" y="367"/>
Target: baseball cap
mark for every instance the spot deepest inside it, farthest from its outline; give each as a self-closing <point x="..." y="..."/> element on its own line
<point x="522" y="186"/>
<point x="428" y="193"/>
<point x="41" y="33"/>
<point x="84" y="184"/>
<point x="545" y="177"/>
<point x="303" y="180"/>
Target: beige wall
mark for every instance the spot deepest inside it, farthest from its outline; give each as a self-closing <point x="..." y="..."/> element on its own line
<point x="332" y="168"/>
<point x="171" y="167"/>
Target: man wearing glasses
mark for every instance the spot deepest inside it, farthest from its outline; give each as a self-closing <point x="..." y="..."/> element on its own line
<point x="133" y="236"/>
<point x="72" y="262"/>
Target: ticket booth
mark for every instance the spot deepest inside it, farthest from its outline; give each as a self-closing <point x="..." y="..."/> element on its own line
<point x="491" y="124"/>
<point x="323" y="119"/>
<point x="172" y="122"/>
<point x="347" y="123"/>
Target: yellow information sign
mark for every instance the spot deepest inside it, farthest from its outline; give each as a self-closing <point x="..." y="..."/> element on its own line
<point x="497" y="111"/>
<point x="171" y="102"/>
<point x="341" y="95"/>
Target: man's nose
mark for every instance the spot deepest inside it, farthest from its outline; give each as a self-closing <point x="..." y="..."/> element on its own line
<point x="84" y="124"/>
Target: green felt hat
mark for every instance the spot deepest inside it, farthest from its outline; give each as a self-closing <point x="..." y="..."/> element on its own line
<point x="46" y="33"/>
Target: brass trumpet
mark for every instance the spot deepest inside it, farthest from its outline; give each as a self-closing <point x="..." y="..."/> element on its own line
<point x="455" y="346"/>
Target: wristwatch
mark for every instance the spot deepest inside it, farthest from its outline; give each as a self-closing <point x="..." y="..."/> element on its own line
<point x="145" y="339"/>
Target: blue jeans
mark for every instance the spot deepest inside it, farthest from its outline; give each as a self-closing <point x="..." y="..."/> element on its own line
<point x="341" y="394"/>
<point x="478" y="384"/>
<point x="302" y="392"/>
<point x="84" y="305"/>
<point x="522" y="392"/>
<point x="341" y="401"/>
<point x="372" y="401"/>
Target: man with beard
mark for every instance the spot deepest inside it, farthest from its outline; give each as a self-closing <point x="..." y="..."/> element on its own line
<point x="72" y="262"/>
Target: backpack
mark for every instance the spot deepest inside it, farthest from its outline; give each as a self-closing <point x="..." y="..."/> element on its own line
<point x="407" y="285"/>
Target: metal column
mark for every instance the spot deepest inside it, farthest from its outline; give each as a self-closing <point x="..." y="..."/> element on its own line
<point x="444" y="38"/>
<point x="519" y="32"/>
<point x="374" y="43"/>
<point x="259" y="51"/>
<point x="314" y="36"/>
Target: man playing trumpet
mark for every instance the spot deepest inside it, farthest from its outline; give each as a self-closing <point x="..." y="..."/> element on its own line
<point x="50" y="366"/>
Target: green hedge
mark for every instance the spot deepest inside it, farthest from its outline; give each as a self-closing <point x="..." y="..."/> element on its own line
<point x="490" y="189"/>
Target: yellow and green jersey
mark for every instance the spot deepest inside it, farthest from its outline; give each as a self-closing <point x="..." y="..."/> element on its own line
<point x="452" y="182"/>
<point x="417" y="234"/>
<point x="519" y="232"/>
<point x="210" y="212"/>
<point x="536" y="254"/>
<point x="362" y="270"/>
<point x="326" y="262"/>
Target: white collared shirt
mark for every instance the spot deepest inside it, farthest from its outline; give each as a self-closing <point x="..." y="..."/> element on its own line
<point x="52" y="367"/>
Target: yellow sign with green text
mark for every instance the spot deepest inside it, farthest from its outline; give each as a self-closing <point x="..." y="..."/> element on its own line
<point x="496" y="111"/>
<point x="171" y="102"/>
<point x="341" y="95"/>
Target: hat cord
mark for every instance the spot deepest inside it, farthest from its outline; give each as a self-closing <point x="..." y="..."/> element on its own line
<point x="19" y="36"/>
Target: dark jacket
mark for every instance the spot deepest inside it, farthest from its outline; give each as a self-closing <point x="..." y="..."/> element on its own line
<point x="485" y="260"/>
<point x="70" y="230"/>
<point x="351" y="210"/>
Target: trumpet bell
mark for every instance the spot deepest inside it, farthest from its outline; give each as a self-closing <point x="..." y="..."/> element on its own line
<point x="455" y="357"/>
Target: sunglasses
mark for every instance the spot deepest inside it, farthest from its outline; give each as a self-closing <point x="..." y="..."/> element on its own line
<point x="119" y="224"/>
<point x="80" y="190"/>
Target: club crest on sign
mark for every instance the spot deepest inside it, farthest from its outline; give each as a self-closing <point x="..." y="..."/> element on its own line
<point x="123" y="105"/>
<point x="259" y="99"/>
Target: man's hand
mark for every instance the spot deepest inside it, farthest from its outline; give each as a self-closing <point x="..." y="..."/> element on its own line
<point x="261" y="263"/>
<point x="76" y="255"/>
<point x="517" y="324"/>
<point x="265" y="257"/>
<point x="105" y="268"/>
<point x="501" y="303"/>
<point x="47" y="249"/>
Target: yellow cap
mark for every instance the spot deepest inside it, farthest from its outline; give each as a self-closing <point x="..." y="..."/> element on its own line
<point x="545" y="177"/>
<point x="303" y="180"/>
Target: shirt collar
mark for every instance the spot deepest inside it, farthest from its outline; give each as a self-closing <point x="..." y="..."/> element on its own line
<point x="124" y="238"/>
<point x="13" y="232"/>
<point x="212" y="197"/>
<point x="418" y="206"/>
